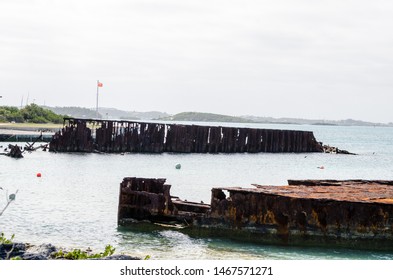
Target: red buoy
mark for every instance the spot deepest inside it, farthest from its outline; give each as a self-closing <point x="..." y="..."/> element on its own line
<point x="39" y="174"/>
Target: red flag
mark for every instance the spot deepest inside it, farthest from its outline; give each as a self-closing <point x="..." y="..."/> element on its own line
<point x="99" y="84"/>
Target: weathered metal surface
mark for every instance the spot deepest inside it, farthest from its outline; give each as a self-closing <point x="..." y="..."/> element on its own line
<point x="125" y="136"/>
<point x="74" y="137"/>
<point x="338" y="182"/>
<point x="367" y="192"/>
<point x="150" y="199"/>
<point x="351" y="213"/>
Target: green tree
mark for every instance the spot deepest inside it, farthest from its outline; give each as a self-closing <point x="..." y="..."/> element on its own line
<point x="31" y="114"/>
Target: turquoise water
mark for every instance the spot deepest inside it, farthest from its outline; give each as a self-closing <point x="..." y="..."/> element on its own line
<point x="74" y="203"/>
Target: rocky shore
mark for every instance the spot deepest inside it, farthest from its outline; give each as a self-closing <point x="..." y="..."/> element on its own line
<point x="25" y="251"/>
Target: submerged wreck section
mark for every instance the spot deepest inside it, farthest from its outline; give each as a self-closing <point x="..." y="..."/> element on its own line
<point x="350" y="213"/>
<point x="81" y="135"/>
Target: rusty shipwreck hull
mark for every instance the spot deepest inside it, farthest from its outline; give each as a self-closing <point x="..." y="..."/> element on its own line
<point x="110" y="136"/>
<point x="352" y="214"/>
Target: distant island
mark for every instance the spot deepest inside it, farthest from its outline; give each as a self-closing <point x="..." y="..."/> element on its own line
<point x="45" y="114"/>
<point x="347" y="122"/>
<point x="206" y="117"/>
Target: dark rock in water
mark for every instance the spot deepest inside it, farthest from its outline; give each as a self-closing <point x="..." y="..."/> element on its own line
<point x="26" y="251"/>
<point x="8" y="251"/>
<point x="15" y="151"/>
<point x="119" y="257"/>
<point x="34" y="257"/>
<point x="41" y="252"/>
<point x="334" y="150"/>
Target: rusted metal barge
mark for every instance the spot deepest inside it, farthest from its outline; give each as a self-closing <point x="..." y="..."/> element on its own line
<point x="350" y="213"/>
<point x="111" y="136"/>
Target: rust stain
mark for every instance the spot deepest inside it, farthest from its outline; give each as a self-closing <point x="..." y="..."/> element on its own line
<point x="269" y="218"/>
<point x="369" y="192"/>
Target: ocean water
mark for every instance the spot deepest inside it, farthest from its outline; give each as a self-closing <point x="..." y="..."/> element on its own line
<point x="74" y="203"/>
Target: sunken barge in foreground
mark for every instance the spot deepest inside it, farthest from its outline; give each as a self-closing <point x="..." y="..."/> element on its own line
<point x="350" y="213"/>
<point x="111" y="136"/>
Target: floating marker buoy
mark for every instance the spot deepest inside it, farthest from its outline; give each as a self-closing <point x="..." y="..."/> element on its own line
<point x="178" y="166"/>
<point x="39" y="175"/>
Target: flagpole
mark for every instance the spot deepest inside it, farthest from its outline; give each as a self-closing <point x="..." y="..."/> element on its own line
<point x="97" y="100"/>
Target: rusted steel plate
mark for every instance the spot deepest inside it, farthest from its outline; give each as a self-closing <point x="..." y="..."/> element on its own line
<point x="367" y="192"/>
<point x="128" y="136"/>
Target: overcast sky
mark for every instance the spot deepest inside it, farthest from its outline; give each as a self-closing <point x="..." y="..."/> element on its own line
<point x="306" y="59"/>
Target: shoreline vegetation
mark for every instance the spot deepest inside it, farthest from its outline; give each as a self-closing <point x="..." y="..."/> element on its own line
<point x="29" y="128"/>
<point x="29" y="114"/>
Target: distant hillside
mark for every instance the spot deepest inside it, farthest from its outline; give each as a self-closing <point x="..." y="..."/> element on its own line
<point x="113" y="113"/>
<point x="348" y="122"/>
<point x="76" y="112"/>
<point x="106" y="113"/>
<point x="207" y="117"/>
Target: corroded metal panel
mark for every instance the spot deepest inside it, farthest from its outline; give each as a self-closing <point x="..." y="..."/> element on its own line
<point x="126" y="136"/>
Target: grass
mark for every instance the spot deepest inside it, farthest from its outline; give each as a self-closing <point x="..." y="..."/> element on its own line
<point x="29" y="125"/>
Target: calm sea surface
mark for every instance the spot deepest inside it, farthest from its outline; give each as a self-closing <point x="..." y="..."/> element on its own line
<point x="74" y="203"/>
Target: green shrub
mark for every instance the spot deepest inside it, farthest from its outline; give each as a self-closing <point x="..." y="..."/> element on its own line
<point x="4" y="240"/>
<point x="78" y="254"/>
<point x="31" y="114"/>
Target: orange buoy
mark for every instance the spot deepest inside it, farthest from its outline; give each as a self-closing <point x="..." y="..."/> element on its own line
<point x="38" y="174"/>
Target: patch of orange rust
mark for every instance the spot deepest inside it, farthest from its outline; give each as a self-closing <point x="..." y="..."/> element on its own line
<point x="314" y="218"/>
<point x="269" y="218"/>
<point x="365" y="193"/>
<point x="232" y="213"/>
<point x="384" y="200"/>
<point x="253" y="219"/>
